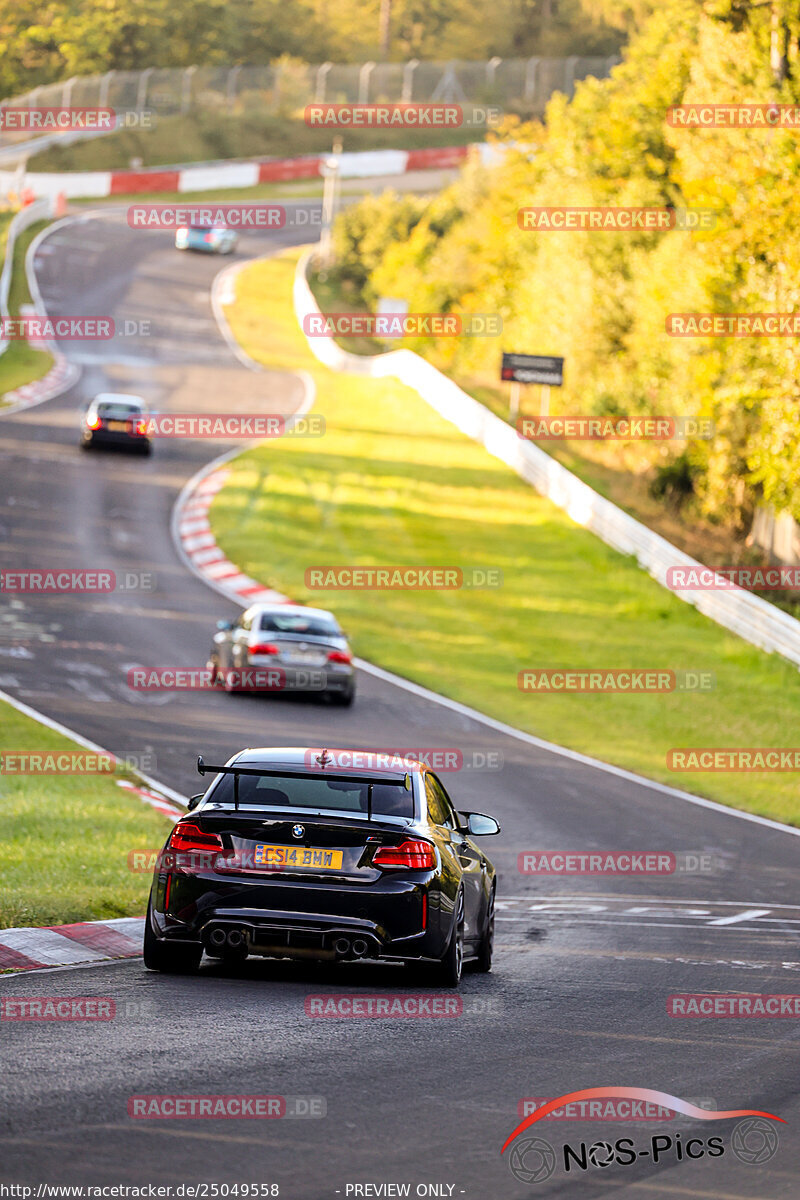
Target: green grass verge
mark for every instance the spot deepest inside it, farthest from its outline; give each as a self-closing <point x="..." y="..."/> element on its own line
<point x="211" y="136"/>
<point x="20" y="364"/>
<point x="66" y="838"/>
<point x="392" y="483"/>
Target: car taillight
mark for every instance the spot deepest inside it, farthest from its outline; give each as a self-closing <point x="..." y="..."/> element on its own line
<point x="408" y="856"/>
<point x="188" y="836"/>
<point x="139" y="427"/>
<point x="264" y="648"/>
<point x="208" y="237"/>
<point x="342" y="656"/>
<point x="95" y="424"/>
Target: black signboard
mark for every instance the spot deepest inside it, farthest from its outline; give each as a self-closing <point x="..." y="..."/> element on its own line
<point x="533" y="368"/>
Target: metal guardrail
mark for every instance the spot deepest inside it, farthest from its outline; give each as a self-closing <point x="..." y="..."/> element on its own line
<point x="753" y="619"/>
<point x="40" y="210"/>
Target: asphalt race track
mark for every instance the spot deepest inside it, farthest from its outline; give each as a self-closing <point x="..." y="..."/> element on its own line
<point x="583" y="969"/>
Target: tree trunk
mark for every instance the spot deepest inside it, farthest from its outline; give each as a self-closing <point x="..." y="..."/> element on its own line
<point x="779" y="44"/>
<point x="385" y="28"/>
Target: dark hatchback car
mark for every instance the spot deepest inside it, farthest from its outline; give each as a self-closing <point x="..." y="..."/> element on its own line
<point x="116" y="419"/>
<point x="291" y="854"/>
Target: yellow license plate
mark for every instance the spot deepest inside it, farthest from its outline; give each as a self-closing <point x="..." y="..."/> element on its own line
<point x="298" y="856"/>
<point x="118" y="426"/>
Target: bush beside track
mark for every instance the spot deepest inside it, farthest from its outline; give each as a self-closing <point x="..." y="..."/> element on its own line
<point x="66" y="838"/>
<point x="21" y="363"/>
<point x="392" y="483"/>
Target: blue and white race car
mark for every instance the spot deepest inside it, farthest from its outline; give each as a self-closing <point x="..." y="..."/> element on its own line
<point x="210" y="239"/>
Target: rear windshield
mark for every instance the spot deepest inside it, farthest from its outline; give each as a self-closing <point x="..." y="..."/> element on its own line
<point x="330" y="794"/>
<point x="297" y="623"/>
<point x="117" y="410"/>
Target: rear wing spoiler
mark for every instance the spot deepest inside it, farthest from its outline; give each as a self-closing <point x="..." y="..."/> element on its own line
<point x="403" y="781"/>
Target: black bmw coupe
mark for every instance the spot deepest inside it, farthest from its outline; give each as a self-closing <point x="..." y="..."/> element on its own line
<point x="297" y="853"/>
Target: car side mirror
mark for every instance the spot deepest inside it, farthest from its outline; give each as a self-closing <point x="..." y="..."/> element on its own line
<point x="479" y="825"/>
<point x="194" y="801"/>
<point x="224" y="625"/>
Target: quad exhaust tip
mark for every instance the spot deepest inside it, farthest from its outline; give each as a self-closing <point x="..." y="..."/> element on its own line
<point x="217" y="937"/>
<point x="235" y="939"/>
<point x="344" y="947"/>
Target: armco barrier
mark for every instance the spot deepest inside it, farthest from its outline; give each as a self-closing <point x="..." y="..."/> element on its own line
<point x="753" y="619"/>
<point x="40" y="210"/>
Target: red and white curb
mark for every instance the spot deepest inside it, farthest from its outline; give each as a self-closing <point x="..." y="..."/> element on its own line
<point x="86" y="941"/>
<point x="58" y="379"/>
<point x="63" y="373"/>
<point x="70" y="945"/>
<point x="199" y="547"/>
<point x="153" y="799"/>
<point x="201" y="177"/>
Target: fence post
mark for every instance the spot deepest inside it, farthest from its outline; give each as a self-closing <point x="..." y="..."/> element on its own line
<point x="569" y="74"/>
<point x="408" y="80"/>
<point x="363" y="81"/>
<point x="66" y="92"/>
<point x="491" y="70"/>
<point x="105" y="84"/>
<point x="230" y="88"/>
<point x="321" y="81"/>
<point x="530" y="79"/>
<point x="141" y="88"/>
<point x="186" y="89"/>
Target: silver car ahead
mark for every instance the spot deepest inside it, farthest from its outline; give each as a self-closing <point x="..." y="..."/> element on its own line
<point x="284" y="647"/>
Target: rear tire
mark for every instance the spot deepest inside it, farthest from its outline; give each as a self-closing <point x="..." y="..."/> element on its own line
<point x="448" y="973"/>
<point x="170" y="958"/>
<point x="342" y="699"/>
<point x="486" y="944"/>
